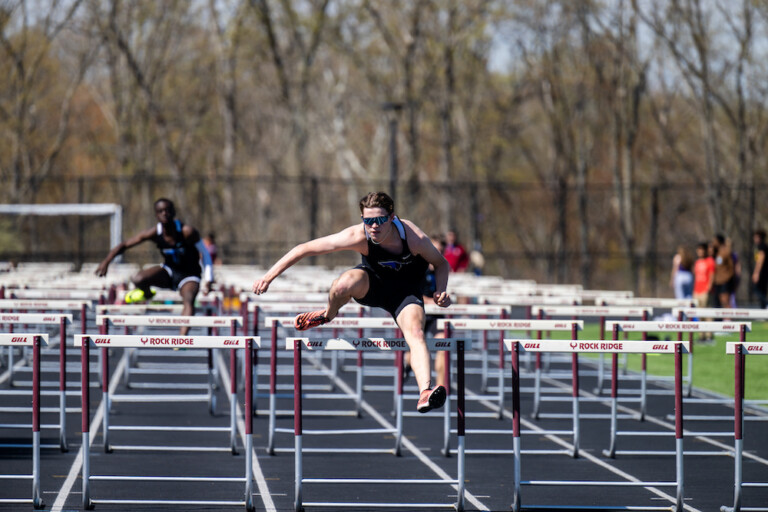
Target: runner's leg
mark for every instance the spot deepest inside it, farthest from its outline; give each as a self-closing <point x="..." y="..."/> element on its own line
<point x="188" y="292"/>
<point x="152" y="276"/>
<point x="411" y="322"/>
<point x="352" y="284"/>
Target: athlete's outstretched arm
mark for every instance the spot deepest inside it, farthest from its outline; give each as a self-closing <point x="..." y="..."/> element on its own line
<point x="120" y="248"/>
<point x="349" y="239"/>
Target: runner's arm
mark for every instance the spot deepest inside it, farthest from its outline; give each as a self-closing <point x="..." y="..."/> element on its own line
<point x="352" y="239"/>
<point x="120" y="248"/>
<point x="207" y="264"/>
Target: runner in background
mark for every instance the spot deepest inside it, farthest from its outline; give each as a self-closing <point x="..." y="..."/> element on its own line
<point x="182" y="250"/>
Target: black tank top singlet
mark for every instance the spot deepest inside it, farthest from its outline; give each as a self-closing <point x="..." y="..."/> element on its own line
<point x="181" y="256"/>
<point x="405" y="267"/>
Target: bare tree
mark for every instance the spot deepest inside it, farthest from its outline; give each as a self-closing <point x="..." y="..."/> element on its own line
<point x="38" y="93"/>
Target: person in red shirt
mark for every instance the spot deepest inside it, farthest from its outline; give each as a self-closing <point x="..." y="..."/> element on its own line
<point x="703" y="275"/>
<point x="454" y="252"/>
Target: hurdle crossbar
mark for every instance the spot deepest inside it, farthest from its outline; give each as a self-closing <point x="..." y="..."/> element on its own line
<point x="374" y="344"/>
<point x="247" y="343"/>
<point x="596" y="346"/>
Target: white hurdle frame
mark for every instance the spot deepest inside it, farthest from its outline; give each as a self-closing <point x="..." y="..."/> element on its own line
<point x="34" y="341"/>
<point x="44" y="319"/>
<point x="211" y="322"/>
<point x="374" y="344"/>
<point x="740" y="314"/>
<point x="740" y="350"/>
<point x="671" y="327"/>
<point x="600" y="312"/>
<point x="503" y="325"/>
<point x="233" y="342"/>
<point x="337" y="323"/>
<point x="474" y="310"/>
<point x="596" y="346"/>
<point x="253" y="310"/>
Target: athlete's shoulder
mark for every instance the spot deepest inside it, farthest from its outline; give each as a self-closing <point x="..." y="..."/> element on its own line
<point x="411" y="228"/>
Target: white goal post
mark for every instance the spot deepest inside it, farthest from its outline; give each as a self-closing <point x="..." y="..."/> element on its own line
<point x="113" y="211"/>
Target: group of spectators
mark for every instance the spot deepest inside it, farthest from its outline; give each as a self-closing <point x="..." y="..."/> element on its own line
<point x="713" y="275"/>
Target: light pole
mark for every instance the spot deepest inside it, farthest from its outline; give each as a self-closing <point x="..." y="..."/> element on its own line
<point x="392" y="109"/>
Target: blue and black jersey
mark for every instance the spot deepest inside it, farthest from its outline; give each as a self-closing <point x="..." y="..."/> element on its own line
<point x="182" y="256"/>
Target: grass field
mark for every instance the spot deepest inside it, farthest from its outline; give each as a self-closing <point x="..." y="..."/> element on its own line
<point x="712" y="368"/>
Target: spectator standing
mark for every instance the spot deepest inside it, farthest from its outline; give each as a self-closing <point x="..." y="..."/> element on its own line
<point x="210" y="243"/>
<point x="760" y="274"/>
<point x="455" y="253"/>
<point x="736" y="279"/>
<point x="681" y="279"/>
<point x="724" y="272"/>
<point x="704" y="274"/>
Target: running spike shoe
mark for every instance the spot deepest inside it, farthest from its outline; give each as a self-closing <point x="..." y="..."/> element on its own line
<point x="311" y="319"/>
<point x="137" y="295"/>
<point x="432" y="398"/>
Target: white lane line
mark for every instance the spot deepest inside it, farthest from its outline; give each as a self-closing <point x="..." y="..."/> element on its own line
<point x="74" y="471"/>
<point x="258" y="474"/>
<point x="6" y="375"/>
<point x="406" y="442"/>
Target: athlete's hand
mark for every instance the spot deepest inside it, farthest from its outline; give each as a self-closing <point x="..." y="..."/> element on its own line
<point x="101" y="270"/>
<point x="260" y="286"/>
<point x="207" y="287"/>
<point x="442" y="299"/>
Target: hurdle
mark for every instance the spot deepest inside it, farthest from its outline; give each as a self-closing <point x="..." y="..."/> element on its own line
<point x="474" y="310"/>
<point x="43" y="319"/>
<point x="654" y="302"/>
<point x="740" y="350"/>
<point x="373" y="344"/>
<point x="212" y="301"/>
<point x="671" y="327"/>
<point x="600" y="312"/>
<point x="211" y="322"/>
<point x="34" y="341"/>
<point x="37" y="294"/>
<point x="502" y="325"/>
<point x="81" y="306"/>
<point x="572" y="326"/>
<point x="741" y="314"/>
<point x="595" y="346"/>
<point x="251" y="322"/>
<point x="336" y="324"/>
<point x="133" y="341"/>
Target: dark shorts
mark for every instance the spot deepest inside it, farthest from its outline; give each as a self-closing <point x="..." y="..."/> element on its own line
<point x="179" y="279"/>
<point x="719" y="289"/>
<point x="390" y="295"/>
